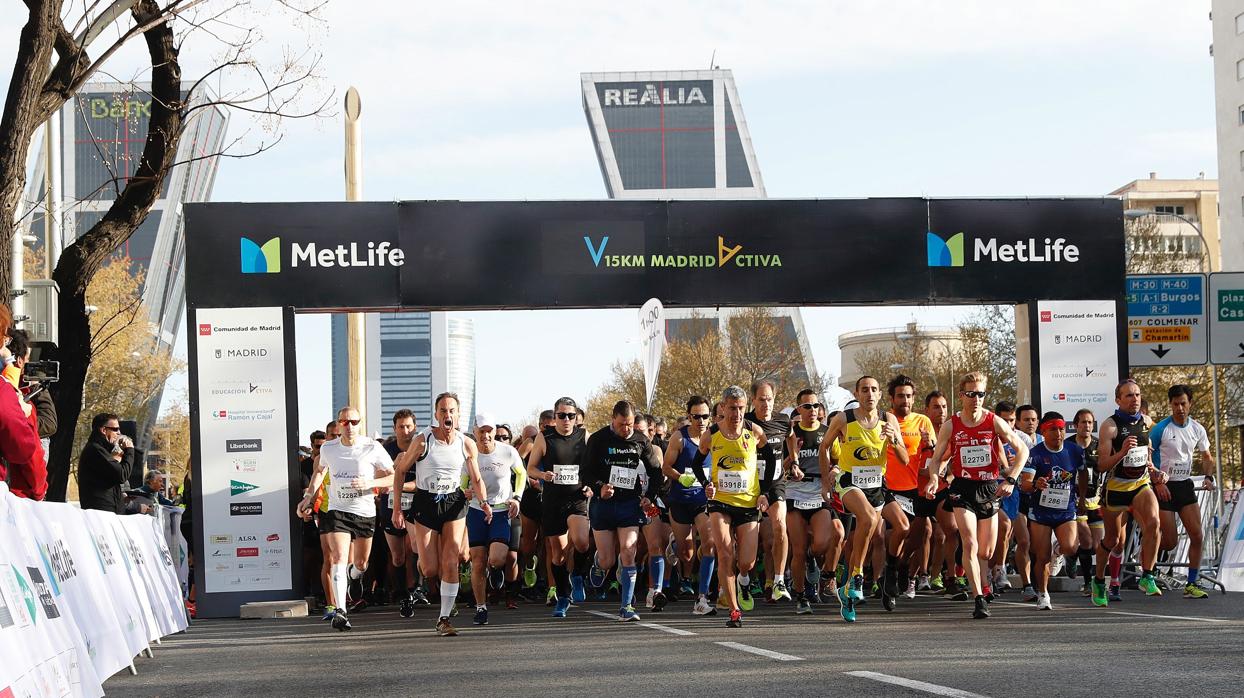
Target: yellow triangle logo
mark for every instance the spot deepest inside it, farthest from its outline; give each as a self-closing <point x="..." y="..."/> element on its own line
<point x="725" y="254"/>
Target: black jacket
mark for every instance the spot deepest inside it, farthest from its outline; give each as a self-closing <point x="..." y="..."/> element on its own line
<point x="45" y="412"/>
<point x="100" y="477"/>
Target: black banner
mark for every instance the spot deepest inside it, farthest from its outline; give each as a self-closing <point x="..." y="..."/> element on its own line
<point x="593" y="254"/>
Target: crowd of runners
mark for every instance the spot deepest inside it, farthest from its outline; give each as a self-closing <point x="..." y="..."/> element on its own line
<point x="737" y="501"/>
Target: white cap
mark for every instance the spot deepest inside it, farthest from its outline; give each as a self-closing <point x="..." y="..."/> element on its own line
<point x="485" y="419"/>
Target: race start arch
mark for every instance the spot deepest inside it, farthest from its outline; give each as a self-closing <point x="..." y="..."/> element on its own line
<point x="250" y="267"/>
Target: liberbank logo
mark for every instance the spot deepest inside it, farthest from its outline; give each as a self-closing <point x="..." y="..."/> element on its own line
<point x="726" y="254"/>
<point x="266" y="258"/>
<point x="949" y="252"/>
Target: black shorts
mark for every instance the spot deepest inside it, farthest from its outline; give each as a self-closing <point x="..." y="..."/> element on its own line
<point x="529" y="504"/>
<point x="874" y="495"/>
<point x="384" y="515"/>
<point x="1118" y="500"/>
<point x="345" y="522"/>
<point x="980" y="496"/>
<point x="927" y="508"/>
<point x="555" y="511"/>
<point x="685" y="513"/>
<point x="792" y="506"/>
<point x="737" y="515"/>
<point x="614" y="513"/>
<point x="906" y="500"/>
<point x="1025" y="503"/>
<point x="1183" y="493"/>
<point x="432" y="514"/>
<point x="1094" y="516"/>
<point x="777" y="490"/>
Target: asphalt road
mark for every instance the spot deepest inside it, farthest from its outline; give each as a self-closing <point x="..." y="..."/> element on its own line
<point x="1141" y="646"/>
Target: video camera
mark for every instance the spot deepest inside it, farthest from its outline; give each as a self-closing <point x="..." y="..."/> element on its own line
<point x="41" y="371"/>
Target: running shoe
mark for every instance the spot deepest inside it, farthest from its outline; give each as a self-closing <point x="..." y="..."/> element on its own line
<point x="577" y="593"/>
<point x="444" y="629"/>
<point x="529" y="573"/>
<point x="1192" y="591"/>
<point x="889" y="582"/>
<point x="496" y="578"/>
<point x="803" y="608"/>
<point x="1149" y="585"/>
<point x="703" y="608"/>
<point x="722" y="603"/>
<point x="736" y="620"/>
<point x="329" y="613"/>
<point x="779" y="591"/>
<point x="981" y="609"/>
<point x="1072" y="569"/>
<point x="812" y="572"/>
<point x="597" y="575"/>
<point x="407" y="607"/>
<point x="1098" y="592"/>
<point x="923" y="583"/>
<point x="511" y="603"/>
<point x="341" y="621"/>
<point x="1029" y="594"/>
<point x="766" y="594"/>
<point x="746" y="602"/>
<point x="1086" y="590"/>
<point x="601" y="594"/>
<point x="813" y="595"/>
<point x="1116" y="593"/>
<point x="874" y="590"/>
<point x="560" y="608"/>
<point x="1057" y="565"/>
<point x="911" y="589"/>
<point x="936" y="584"/>
<point x="1005" y="582"/>
<point x="686" y="588"/>
<point x="846" y="605"/>
<point x="481" y="616"/>
<point x="420" y="598"/>
<point x="1043" y="602"/>
<point x="658" y="602"/>
<point x="551" y="597"/>
<point x="855" y="588"/>
<point x="627" y="614"/>
<point x="652" y="593"/>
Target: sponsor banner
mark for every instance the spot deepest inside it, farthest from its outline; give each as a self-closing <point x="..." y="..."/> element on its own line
<point x="591" y="254"/>
<point x="652" y="341"/>
<point x="68" y="604"/>
<point x="241" y="366"/>
<point x="1078" y="346"/>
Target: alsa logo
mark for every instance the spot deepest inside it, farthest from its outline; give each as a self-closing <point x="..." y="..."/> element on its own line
<point x="237" y="487"/>
<point x="266" y="258"/>
<point x="950" y="252"/>
<point x="726" y="254"/>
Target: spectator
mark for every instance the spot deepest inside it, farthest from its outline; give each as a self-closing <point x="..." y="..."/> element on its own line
<point x="32" y="481"/>
<point x="36" y="393"/>
<point x="143" y="500"/>
<point x="104" y="465"/>
<point x="18" y="440"/>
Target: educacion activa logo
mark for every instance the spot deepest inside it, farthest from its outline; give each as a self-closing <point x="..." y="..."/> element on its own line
<point x="726" y="255"/>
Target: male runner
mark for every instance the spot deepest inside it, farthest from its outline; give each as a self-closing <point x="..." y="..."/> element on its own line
<point x="931" y="523"/>
<point x="867" y="434"/>
<point x="1176" y="440"/>
<point x="441" y="458"/>
<point x="654" y="523"/>
<point x="735" y="492"/>
<point x="1089" y="525"/>
<point x="401" y="554"/>
<point x="1125" y="452"/>
<point x="1026" y="421"/>
<point x="616" y="454"/>
<point x="531" y="508"/>
<point x="810" y="520"/>
<point x="1056" y="478"/>
<point x="555" y="460"/>
<point x="687" y="501"/>
<point x="902" y="481"/>
<point x="969" y="443"/>
<point x="502" y="472"/>
<point x="357" y="464"/>
<point x="776" y="427"/>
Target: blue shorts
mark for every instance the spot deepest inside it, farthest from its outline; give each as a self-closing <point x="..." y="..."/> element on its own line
<point x="1010" y="505"/>
<point x="1053" y="519"/>
<point x="480" y="534"/>
<point x="612" y="514"/>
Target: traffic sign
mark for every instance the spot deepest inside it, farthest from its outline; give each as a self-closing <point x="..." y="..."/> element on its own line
<point x="1226" y="290"/>
<point x="1166" y="323"/>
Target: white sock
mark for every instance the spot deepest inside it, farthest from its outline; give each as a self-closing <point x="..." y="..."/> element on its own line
<point x="355" y="573"/>
<point x="745" y="580"/>
<point x="449" y="595"/>
<point x="337" y="574"/>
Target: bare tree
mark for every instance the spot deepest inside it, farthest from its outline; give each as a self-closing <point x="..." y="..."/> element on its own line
<point x="40" y="86"/>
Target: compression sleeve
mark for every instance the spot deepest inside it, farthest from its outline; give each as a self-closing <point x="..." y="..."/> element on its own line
<point x="656" y="477"/>
<point x="697" y="466"/>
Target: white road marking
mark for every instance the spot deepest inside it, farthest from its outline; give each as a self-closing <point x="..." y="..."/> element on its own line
<point x="1154" y="615"/>
<point x="654" y="626"/>
<point x="762" y="652"/>
<point x="915" y="685"/>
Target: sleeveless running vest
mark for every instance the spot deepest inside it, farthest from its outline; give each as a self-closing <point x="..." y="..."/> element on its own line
<point x="695" y="493"/>
<point x="862" y="447"/>
<point x="1132" y="472"/>
<point x="734" y="472"/>
<point x="441" y="467"/>
<point x="807" y="454"/>
<point x="563" y="455"/>
<point x="972" y="452"/>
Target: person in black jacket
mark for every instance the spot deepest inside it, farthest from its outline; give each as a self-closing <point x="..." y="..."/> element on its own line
<point x="104" y="465"/>
<point x="35" y="392"/>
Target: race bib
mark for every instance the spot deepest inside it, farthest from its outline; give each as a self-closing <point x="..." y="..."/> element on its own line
<point x="1138" y="457"/>
<point x="905" y="504"/>
<point x="808" y="505"/>
<point x="731" y="483"/>
<point x="408" y="498"/>
<point x="975" y="457"/>
<point x="866" y="477"/>
<point x="444" y="484"/>
<point x="566" y="474"/>
<point x="1055" y="498"/>
<point x="623" y="478"/>
<point x="1181" y="471"/>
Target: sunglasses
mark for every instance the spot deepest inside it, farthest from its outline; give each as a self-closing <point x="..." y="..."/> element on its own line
<point x="351" y="422"/>
<point x="567" y="415"/>
<point x="112" y="428"/>
<point x="700" y="417"/>
<point x="973" y="393"/>
<point x="810" y="406"/>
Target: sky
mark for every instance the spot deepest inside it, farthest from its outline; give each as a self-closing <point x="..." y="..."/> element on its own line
<point x="480" y="100"/>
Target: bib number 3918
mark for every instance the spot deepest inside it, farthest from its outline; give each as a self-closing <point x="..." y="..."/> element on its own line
<point x="731" y="483"/>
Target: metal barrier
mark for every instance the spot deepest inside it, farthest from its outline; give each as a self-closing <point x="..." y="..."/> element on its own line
<point x="1213" y="529"/>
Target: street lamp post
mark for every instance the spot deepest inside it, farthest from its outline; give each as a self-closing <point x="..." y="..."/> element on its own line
<point x="1206" y="267"/>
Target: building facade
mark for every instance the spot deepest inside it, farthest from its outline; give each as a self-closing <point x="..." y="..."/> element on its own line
<point x="913" y="345"/>
<point x="1227" y="17"/>
<point x="1181" y="208"/>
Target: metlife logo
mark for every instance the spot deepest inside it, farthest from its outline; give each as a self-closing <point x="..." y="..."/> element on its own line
<point x="950" y="251"/>
<point x="256" y="258"/>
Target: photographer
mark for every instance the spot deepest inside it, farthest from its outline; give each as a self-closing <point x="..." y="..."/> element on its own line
<point x="105" y="465"/>
<point x="19" y="444"/>
<point x="34" y="383"/>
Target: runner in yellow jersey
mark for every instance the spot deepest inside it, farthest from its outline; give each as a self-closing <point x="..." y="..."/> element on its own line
<point x="867" y="434"/>
<point x="735" y="489"/>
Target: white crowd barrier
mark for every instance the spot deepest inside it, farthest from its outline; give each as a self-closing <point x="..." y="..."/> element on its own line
<point x="81" y="594"/>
